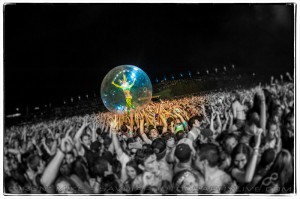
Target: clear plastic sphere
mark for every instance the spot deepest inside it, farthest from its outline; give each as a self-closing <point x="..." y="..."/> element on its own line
<point x="124" y="88"/>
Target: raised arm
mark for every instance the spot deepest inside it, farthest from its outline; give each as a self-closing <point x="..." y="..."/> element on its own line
<point x="246" y="177"/>
<point x="52" y="169"/>
<point x="142" y="132"/>
<point x="182" y="120"/>
<point x="115" y="140"/>
<point x="54" y="146"/>
<point x="130" y="133"/>
<point x="230" y="128"/>
<point x="261" y="96"/>
<point x="211" y="127"/>
<point x="204" y="114"/>
<point x="46" y="147"/>
<point x="219" y="123"/>
<point x="78" y="134"/>
<point x="131" y="85"/>
<point x="116" y="85"/>
<point x="233" y="108"/>
<point x="165" y="124"/>
<point x="226" y="121"/>
<point x="94" y="128"/>
<point x="278" y="145"/>
<point x="37" y="146"/>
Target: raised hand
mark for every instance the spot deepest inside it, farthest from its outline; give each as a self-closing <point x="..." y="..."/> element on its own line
<point x="85" y="123"/>
<point x="67" y="144"/>
<point x="113" y="124"/>
<point x="57" y="135"/>
<point x="33" y="140"/>
<point x="51" y="132"/>
<point x="69" y="131"/>
<point x="213" y="115"/>
<point x="260" y="93"/>
<point x="43" y="140"/>
<point x="257" y="136"/>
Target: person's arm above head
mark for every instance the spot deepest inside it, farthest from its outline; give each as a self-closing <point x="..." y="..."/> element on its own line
<point x="172" y="128"/>
<point x="116" y="85"/>
<point x="106" y="126"/>
<point x="94" y="128"/>
<point x="24" y="134"/>
<point x="233" y="108"/>
<point x="289" y="76"/>
<point x="53" y="148"/>
<point x="247" y="176"/>
<point x="261" y="96"/>
<point x="204" y="114"/>
<point x="226" y="121"/>
<point x="231" y="126"/>
<point x="37" y="146"/>
<point x="211" y="127"/>
<point x="45" y="146"/>
<point x="271" y="80"/>
<point x="78" y="134"/>
<point x="165" y="125"/>
<point x="244" y="99"/>
<point x="131" y="85"/>
<point x="115" y="139"/>
<point x="111" y="147"/>
<point x="142" y="132"/>
<point x="130" y="133"/>
<point x="219" y="129"/>
<point x="278" y="145"/>
<point x="182" y="121"/>
<point x="52" y="168"/>
<point x="10" y="138"/>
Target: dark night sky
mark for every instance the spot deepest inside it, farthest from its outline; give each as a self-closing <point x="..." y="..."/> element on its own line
<point x="54" y="51"/>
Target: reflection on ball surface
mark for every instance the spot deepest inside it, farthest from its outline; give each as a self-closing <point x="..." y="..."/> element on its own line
<point x="125" y="87"/>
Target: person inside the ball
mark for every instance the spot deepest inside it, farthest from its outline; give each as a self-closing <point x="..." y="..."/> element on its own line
<point x="125" y="86"/>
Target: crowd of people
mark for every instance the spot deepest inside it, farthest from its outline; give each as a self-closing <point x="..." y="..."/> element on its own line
<point x="221" y="142"/>
<point x="165" y="89"/>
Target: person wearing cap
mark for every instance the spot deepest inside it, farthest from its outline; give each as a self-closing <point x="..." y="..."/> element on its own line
<point x="183" y="157"/>
<point x="159" y="147"/>
<point x="206" y="162"/>
<point x="186" y="141"/>
<point x="181" y="124"/>
<point x="194" y="124"/>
